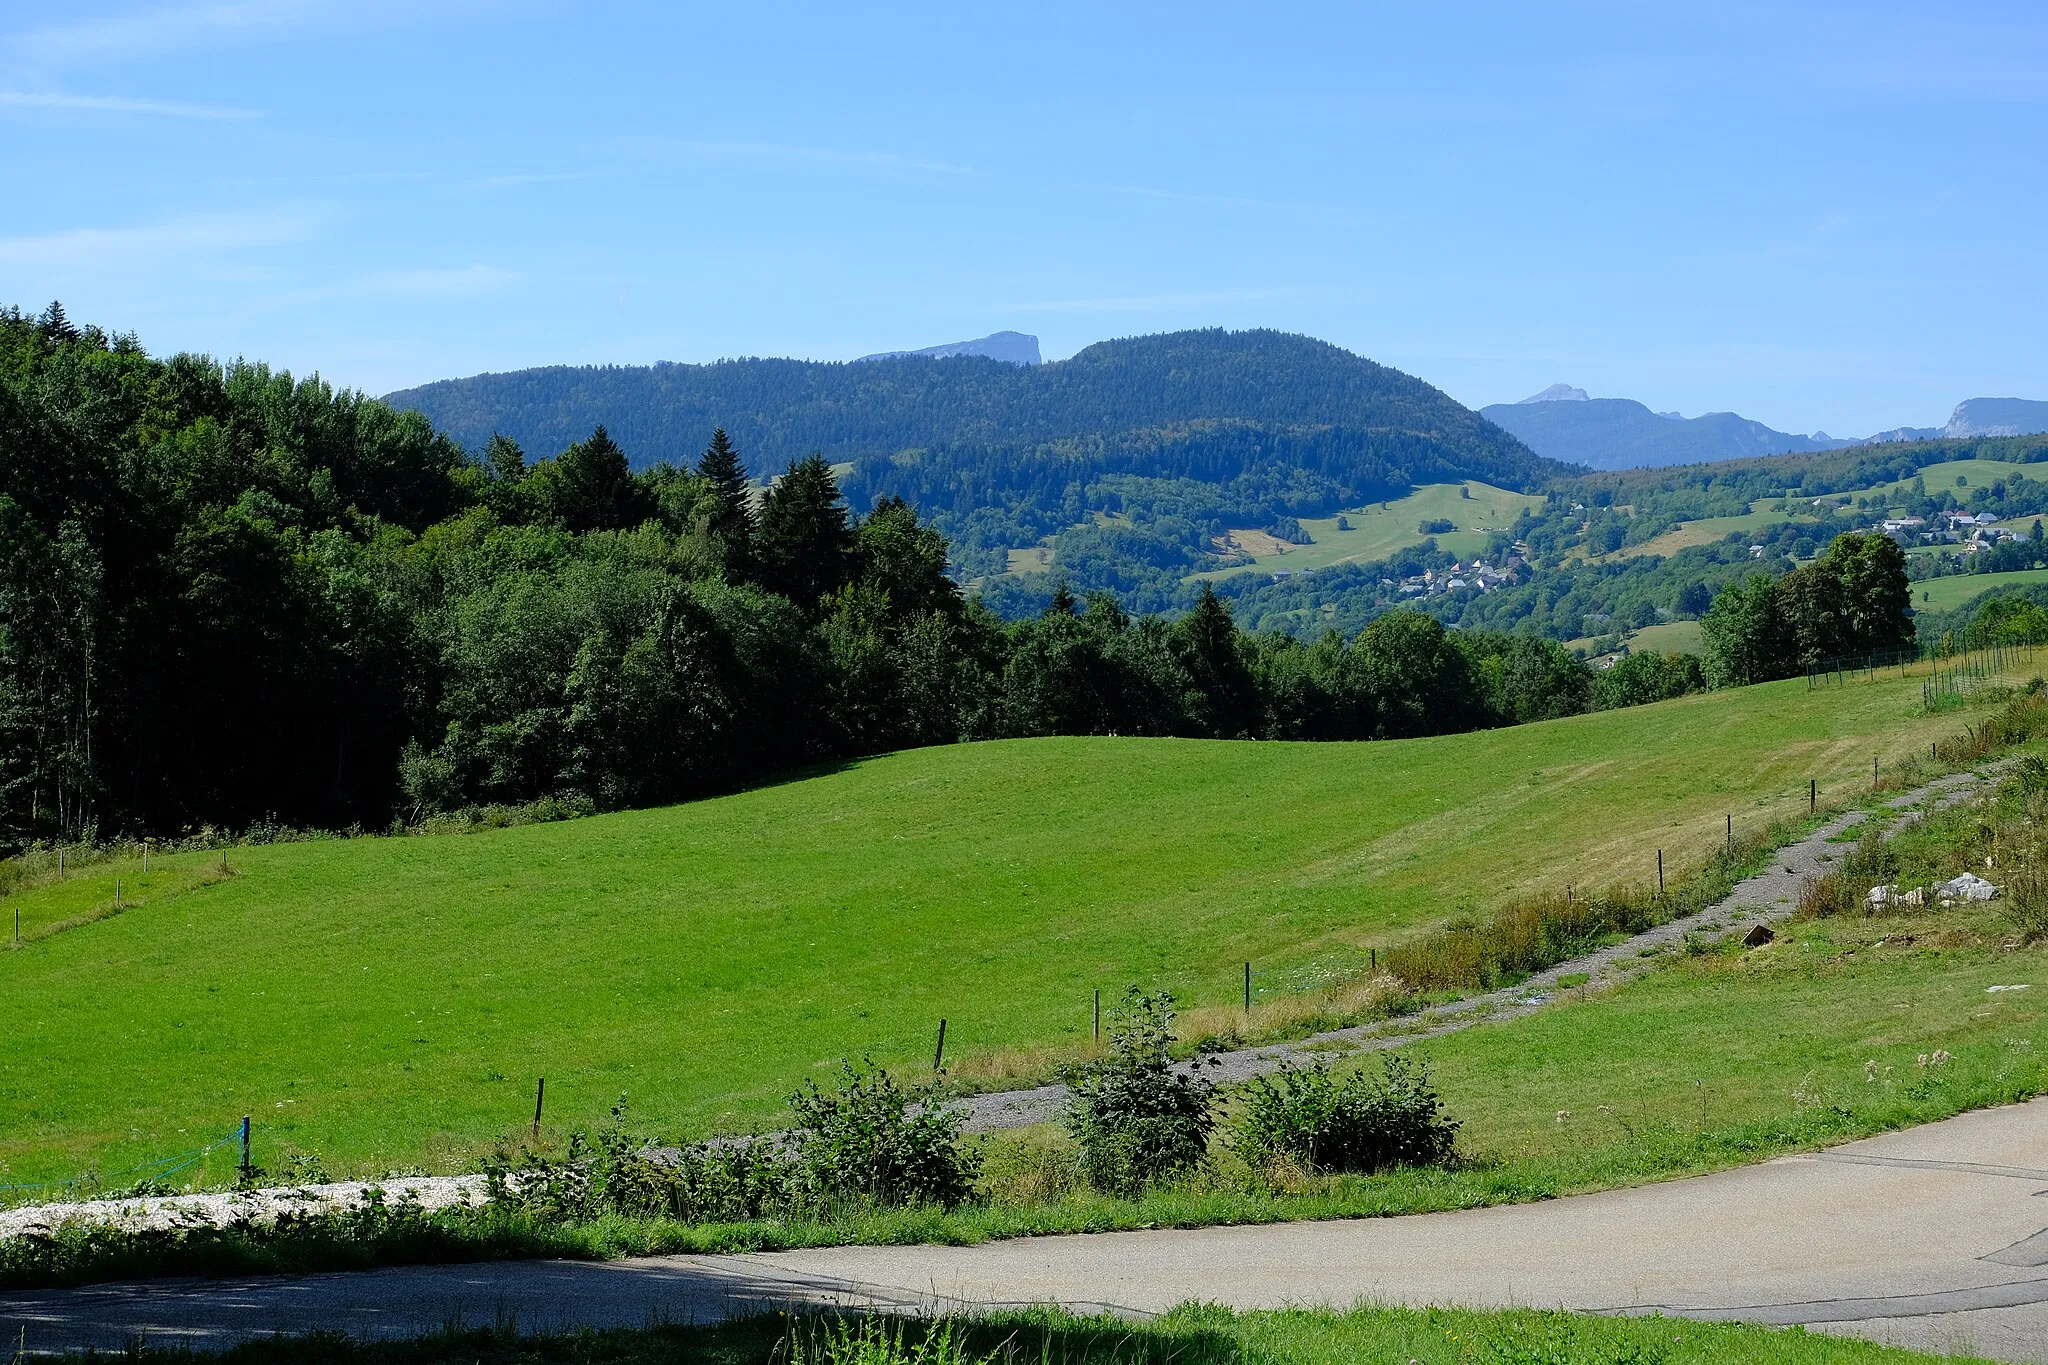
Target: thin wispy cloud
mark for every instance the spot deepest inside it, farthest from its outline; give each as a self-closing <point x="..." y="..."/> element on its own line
<point x="213" y="24"/>
<point x="93" y="249"/>
<point x="156" y="30"/>
<point x="115" y="104"/>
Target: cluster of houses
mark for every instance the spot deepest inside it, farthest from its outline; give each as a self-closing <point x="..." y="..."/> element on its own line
<point x="1477" y="574"/>
<point x="1975" y="530"/>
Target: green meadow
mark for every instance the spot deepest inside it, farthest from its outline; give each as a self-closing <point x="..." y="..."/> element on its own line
<point x="1946" y="594"/>
<point x="390" y="1002"/>
<point x="1377" y="530"/>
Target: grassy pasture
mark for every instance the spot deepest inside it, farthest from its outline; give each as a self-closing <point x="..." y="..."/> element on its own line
<point x="388" y="1002"/>
<point x="1705" y="531"/>
<point x="1957" y="476"/>
<point x="1671" y="637"/>
<point x="1946" y="594"/>
<point x="1379" y="529"/>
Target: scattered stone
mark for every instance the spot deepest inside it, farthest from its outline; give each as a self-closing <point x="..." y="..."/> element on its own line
<point x="1968" y="887"/>
<point x="1759" y="936"/>
<point x="1993" y="990"/>
<point x="1882" y="895"/>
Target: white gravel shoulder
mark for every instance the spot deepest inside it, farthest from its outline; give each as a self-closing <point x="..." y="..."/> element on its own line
<point x="228" y="1208"/>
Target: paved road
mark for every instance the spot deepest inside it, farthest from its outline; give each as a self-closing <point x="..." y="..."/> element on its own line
<point x="1936" y="1237"/>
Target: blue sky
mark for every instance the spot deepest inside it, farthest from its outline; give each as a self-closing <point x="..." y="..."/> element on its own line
<point x="1818" y="217"/>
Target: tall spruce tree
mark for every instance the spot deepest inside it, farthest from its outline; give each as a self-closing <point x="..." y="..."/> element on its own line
<point x="589" y="486"/>
<point x="804" y="548"/>
<point x="1206" y="641"/>
<point x="730" y="526"/>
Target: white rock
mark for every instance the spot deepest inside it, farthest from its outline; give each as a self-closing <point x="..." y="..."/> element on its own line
<point x="1882" y="895"/>
<point x="1968" y="887"/>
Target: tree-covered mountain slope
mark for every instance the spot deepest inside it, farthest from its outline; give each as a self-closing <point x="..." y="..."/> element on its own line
<point x="1141" y="452"/>
<point x="1176" y="403"/>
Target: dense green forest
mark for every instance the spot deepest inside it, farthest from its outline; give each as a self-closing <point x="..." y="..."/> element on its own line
<point x="1178" y="435"/>
<point x="231" y="598"/>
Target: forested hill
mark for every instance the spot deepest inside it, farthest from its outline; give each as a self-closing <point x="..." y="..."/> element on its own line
<point x="1200" y="404"/>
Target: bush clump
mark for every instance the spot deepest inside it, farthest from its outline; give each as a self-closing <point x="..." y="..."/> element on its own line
<point x="871" y="1142"/>
<point x="867" y="1143"/>
<point x="1135" y="1114"/>
<point x="1362" y="1122"/>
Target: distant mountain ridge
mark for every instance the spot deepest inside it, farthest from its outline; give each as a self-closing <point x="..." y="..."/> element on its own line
<point x="1200" y="404"/>
<point x="1620" y="433"/>
<point x="1997" y="417"/>
<point x="1018" y="348"/>
<point x="1565" y="423"/>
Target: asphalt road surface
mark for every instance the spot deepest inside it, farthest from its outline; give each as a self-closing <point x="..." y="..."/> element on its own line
<point x="1936" y="1237"/>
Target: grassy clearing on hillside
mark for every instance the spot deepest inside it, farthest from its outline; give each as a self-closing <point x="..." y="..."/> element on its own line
<point x="1946" y="594"/>
<point x="389" y="1002"/>
<point x="1379" y="529"/>
<point x="1705" y="531"/>
<point x="1189" y="1335"/>
<point x="1671" y="637"/>
<point x="1954" y="476"/>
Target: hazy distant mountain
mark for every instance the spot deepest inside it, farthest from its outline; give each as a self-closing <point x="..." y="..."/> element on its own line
<point x="1620" y="433"/>
<point x="1019" y="348"/>
<point x="1997" y="417"/>
<point x="1559" y="393"/>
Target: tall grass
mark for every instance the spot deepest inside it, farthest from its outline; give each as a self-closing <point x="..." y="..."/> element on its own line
<point x="1534" y="932"/>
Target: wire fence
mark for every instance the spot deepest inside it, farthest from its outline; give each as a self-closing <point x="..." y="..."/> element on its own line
<point x="148" y="1174"/>
<point x="1957" y="669"/>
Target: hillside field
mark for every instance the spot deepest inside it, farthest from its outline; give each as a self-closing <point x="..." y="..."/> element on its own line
<point x="1380" y="529"/>
<point x="1946" y="594"/>
<point x="387" y="1002"/>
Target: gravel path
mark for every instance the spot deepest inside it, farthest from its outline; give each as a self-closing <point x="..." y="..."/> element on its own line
<point x="1770" y="895"/>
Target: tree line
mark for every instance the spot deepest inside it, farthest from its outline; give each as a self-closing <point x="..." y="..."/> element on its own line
<point x="1851" y="601"/>
<point x="230" y="597"/>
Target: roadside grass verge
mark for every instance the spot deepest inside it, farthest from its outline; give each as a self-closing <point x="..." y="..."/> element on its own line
<point x="1192" y="1334"/>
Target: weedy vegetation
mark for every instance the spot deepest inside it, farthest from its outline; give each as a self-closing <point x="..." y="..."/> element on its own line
<point x="1193" y="1334"/>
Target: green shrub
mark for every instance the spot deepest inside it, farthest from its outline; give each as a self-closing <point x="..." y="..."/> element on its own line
<point x="867" y="1143"/>
<point x="870" y="1142"/>
<point x="1135" y="1114"/>
<point x="1363" y="1122"/>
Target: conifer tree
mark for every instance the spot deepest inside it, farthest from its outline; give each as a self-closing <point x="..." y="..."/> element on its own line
<point x="731" y="524"/>
<point x="804" y="547"/>
<point x="1206" y="640"/>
